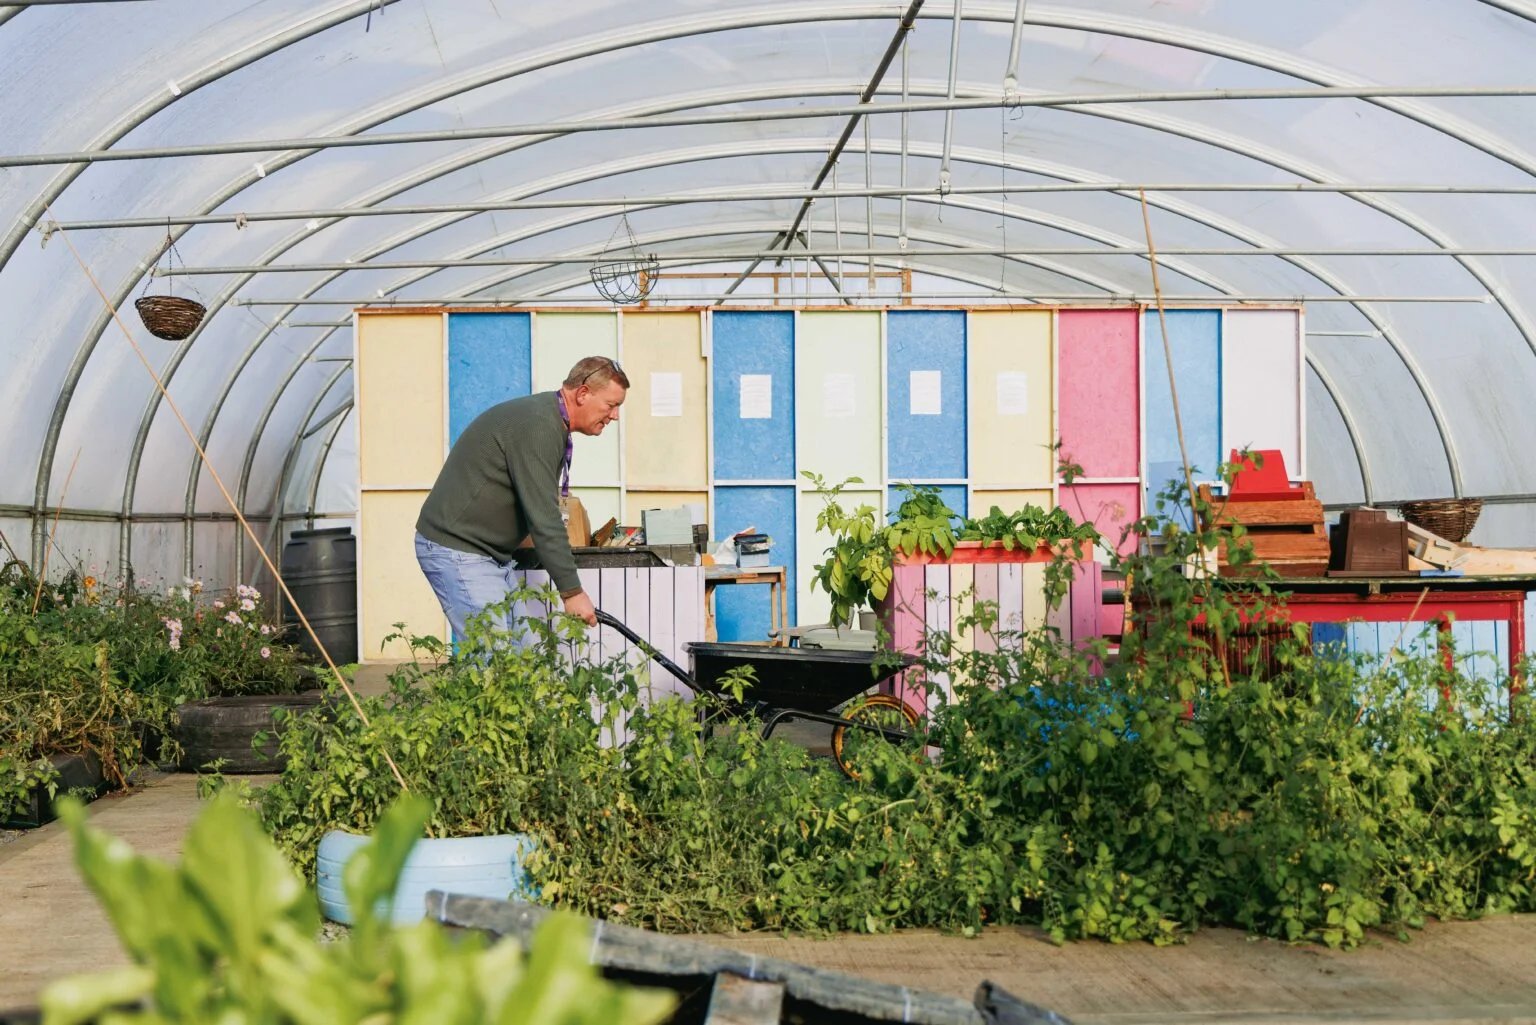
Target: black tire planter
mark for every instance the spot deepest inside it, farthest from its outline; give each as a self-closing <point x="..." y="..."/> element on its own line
<point x="224" y="728"/>
<point x="75" y="772"/>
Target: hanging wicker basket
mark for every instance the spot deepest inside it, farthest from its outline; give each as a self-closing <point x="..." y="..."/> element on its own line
<point x="1450" y="518"/>
<point x="171" y="317"/>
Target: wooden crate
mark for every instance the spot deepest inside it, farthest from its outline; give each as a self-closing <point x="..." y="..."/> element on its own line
<point x="1288" y="535"/>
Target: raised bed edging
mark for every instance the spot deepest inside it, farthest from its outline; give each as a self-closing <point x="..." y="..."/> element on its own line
<point x="75" y="771"/>
<point x="225" y="728"/>
<point x="967" y="553"/>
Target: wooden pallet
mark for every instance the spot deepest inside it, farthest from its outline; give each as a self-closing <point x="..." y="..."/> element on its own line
<point x="1287" y="535"/>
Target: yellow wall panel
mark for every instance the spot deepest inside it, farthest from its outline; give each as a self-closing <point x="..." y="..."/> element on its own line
<point x="981" y="502"/>
<point x="1011" y="402"/>
<point x="400" y="412"/>
<point x="665" y="440"/>
<point x="838" y="409"/>
<point x="559" y="340"/>
<point x="637" y="501"/>
<point x="391" y="587"/>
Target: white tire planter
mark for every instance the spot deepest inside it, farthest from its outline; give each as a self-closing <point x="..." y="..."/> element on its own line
<point x="476" y="866"/>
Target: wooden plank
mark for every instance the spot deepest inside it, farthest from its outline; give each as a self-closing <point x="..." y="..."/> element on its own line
<point x="986" y="584"/>
<point x="738" y="1001"/>
<point x="1303" y="512"/>
<point x="590" y="649"/>
<point x="936" y="621"/>
<point x="1034" y="610"/>
<point x="908" y="608"/>
<point x="962" y="583"/>
<point x="688" y="611"/>
<point x="1010" y="598"/>
<point x="663" y="636"/>
<point x="610" y="643"/>
<point x="1087" y="601"/>
<point x="637" y="608"/>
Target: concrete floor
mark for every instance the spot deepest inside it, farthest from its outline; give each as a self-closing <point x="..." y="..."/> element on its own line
<point x="50" y="926"/>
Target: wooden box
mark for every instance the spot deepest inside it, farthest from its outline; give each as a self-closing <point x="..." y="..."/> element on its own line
<point x="1286" y="534"/>
<point x="1367" y="541"/>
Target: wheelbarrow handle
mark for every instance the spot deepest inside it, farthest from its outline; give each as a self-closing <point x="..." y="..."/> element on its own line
<point x="670" y="666"/>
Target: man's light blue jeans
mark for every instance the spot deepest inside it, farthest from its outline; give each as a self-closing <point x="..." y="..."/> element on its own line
<point x="465" y="583"/>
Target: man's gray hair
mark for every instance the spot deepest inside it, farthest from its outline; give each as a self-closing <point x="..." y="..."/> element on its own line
<point x="595" y="372"/>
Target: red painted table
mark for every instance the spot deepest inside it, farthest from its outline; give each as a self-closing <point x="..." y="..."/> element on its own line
<point x="1438" y="600"/>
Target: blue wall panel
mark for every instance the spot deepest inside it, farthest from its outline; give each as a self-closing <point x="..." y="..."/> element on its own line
<point x="490" y="360"/>
<point x="926" y="446"/>
<point x="1195" y="339"/>
<point x="742" y="612"/>
<point x="953" y="494"/>
<point x="754" y="449"/>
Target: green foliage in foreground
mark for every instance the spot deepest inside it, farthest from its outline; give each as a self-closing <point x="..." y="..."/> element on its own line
<point x="1173" y="789"/>
<point x="230" y="936"/>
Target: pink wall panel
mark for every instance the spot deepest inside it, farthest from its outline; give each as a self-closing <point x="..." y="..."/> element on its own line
<point x="1109" y="507"/>
<point x="1100" y="416"/>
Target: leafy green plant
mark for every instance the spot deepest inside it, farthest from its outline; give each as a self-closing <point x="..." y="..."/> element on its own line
<point x="230" y="935"/>
<point x="858" y="567"/>
<point x="58" y="696"/>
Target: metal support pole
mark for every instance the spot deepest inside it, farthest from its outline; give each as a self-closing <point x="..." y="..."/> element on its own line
<point x="1011" y="73"/>
<point x="47" y="228"/>
<point x="853" y="112"/>
<point x="949" y="95"/>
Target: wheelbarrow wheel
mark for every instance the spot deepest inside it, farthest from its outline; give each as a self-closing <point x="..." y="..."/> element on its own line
<point x="883" y="710"/>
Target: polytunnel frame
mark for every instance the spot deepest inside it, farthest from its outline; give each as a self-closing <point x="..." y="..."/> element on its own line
<point x="731" y="228"/>
<point x="651" y="160"/>
<point x="1131" y="28"/>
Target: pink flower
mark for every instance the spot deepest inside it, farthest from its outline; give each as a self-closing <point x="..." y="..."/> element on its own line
<point x="233" y="617"/>
<point x="246" y="605"/>
<point x="218" y="604"/>
<point x="266" y="652"/>
<point x="265" y="629"/>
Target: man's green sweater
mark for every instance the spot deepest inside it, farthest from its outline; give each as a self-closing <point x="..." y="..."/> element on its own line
<point x="501" y="483"/>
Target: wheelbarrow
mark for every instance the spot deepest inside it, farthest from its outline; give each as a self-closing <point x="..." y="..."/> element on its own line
<point x="793" y="683"/>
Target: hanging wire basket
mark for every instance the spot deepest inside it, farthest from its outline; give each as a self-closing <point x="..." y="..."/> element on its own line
<point x="625" y="281"/>
<point x="629" y="277"/>
<point x="172" y="317"/>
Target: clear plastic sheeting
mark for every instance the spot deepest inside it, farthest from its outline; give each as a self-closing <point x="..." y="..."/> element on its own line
<point x="1407" y="397"/>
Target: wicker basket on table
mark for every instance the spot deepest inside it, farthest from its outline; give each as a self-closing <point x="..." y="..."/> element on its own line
<point x="1450" y="518"/>
<point x="171" y="317"/>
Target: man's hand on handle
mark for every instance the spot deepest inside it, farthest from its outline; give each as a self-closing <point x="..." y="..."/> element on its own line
<point x="580" y="605"/>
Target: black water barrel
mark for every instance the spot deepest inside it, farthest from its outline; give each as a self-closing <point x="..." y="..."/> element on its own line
<point x="320" y="567"/>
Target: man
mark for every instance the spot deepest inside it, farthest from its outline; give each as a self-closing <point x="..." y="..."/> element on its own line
<point x="502" y="482"/>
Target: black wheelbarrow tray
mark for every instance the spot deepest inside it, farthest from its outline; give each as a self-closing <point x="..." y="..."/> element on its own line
<point x="793" y="683"/>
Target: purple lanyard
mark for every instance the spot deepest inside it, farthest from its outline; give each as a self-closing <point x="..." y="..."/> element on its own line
<point x="565" y="464"/>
